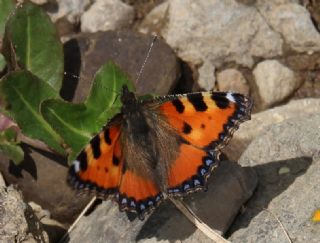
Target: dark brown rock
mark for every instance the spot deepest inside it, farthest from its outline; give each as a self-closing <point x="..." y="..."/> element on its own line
<point x="128" y="50"/>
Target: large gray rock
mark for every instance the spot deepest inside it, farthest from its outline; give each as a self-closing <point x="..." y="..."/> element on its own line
<point x="106" y="15"/>
<point x="294" y="23"/>
<point x="261" y="121"/>
<point x="209" y="33"/>
<point x="274" y="82"/>
<point x="287" y="161"/>
<point x="229" y="187"/>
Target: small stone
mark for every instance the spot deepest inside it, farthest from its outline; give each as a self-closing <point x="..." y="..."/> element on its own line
<point x="2" y="182"/>
<point x="71" y="9"/>
<point x="232" y="80"/>
<point x="106" y="15"/>
<point x="206" y="76"/>
<point x="275" y="82"/>
<point x="154" y="21"/>
<point x="39" y="2"/>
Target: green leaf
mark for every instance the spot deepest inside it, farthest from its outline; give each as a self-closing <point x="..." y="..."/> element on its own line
<point x="23" y="93"/>
<point x="6" y="7"/>
<point x="107" y="87"/>
<point x="77" y="123"/>
<point x="8" y="135"/>
<point x="31" y="42"/>
<point x="71" y="121"/>
<point x="2" y="62"/>
<point x="12" y="151"/>
<point x="9" y="145"/>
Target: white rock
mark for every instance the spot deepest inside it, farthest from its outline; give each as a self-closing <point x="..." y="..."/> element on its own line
<point x="274" y="81"/>
<point x="154" y="21"/>
<point x="72" y="9"/>
<point x="294" y="23"/>
<point x="232" y="80"/>
<point x="2" y="182"/>
<point x="39" y="2"/>
<point x="217" y="31"/>
<point x="206" y="76"/>
<point x="106" y="15"/>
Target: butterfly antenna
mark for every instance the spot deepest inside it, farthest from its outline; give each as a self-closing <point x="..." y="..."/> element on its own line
<point x="147" y="57"/>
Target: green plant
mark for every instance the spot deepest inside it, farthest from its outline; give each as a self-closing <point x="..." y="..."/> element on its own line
<point x="29" y="91"/>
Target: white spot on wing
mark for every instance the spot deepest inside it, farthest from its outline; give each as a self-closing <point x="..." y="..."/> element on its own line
<point x="76" y="165"/>
<point x="230" y="97"/>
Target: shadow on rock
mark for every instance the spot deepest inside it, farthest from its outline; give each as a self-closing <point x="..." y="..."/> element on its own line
<point x="229" y="188"/>
<point x="274" y="178"/>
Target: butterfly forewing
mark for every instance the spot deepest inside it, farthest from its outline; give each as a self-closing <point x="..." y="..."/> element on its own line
<point x="98" y="167"/>
<point x="205" y="121"/>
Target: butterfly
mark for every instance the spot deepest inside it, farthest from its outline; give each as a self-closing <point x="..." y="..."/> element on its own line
<point x="164" y="146"/>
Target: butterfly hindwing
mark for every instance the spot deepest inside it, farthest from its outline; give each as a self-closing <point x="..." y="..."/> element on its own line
<point x="138" y="194"/>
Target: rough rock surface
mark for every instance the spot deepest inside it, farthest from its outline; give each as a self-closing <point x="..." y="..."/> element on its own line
<point x="286" y="158"/>
<point x="71" y="9"/>
<point x="106" y="15"/>
<point x="17" y="221"/>
<point x="229" y="187"/>
<point x="232" y="80"/>
<point x="294" y="23"/>
<point x="261" y="121"/>
<point x="210" y="33"/>
<point x="274" y="82"/>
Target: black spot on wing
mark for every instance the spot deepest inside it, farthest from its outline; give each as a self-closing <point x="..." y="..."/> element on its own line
<point x="197" y="101"/>
<point x="221" y="100"/>
<point x="178" y="105"/>
<point x="82" y="158"/>
<point x="107" y="136"/>
<point x="95" y="146"/>
<point x="115" y="160"/>
<point x="186" y="128"/>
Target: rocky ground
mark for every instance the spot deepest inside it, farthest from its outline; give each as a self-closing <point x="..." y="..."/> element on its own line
<point x="267" y="187"/>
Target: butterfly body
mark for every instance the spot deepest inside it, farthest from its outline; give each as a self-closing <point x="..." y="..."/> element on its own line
<point x="163" y="146"/>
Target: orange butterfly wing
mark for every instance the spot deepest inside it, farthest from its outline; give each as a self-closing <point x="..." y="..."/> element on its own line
<point x="100" y="168"/>
<point x="205" y="121"/>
